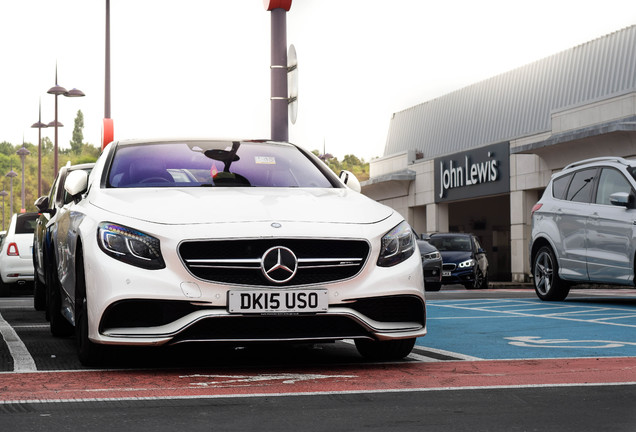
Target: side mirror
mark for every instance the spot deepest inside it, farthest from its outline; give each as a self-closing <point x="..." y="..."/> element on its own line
<point x="350" y="180"/>
<point x="42" y="204"/>
<point x="76" y="182"/>
<point x="622" y="199"/>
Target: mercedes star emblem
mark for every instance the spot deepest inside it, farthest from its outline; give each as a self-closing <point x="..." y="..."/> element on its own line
<point x="279" y="264"/>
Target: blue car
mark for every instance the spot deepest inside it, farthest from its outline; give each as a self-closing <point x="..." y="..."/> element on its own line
<point x="464" y="259"/>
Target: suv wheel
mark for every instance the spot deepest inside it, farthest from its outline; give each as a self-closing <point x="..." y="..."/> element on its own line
<point x="547" y="283"/>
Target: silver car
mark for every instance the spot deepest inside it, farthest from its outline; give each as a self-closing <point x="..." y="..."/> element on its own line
<point x="584" y="227"/>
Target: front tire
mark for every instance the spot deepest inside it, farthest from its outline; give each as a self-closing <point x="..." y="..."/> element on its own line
<point x="88" y="352"/>
<point x="547" y="283"/>
<point x="479" y="282"/>
<point x="39" y="294"/>
<point x="385" y="350"/>
<point x="60" y="327"/>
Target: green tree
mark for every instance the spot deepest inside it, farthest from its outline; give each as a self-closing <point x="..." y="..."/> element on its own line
<point x="6" y="148"/>
<point x="352" y="163"/>
<point x="78" y="136"/>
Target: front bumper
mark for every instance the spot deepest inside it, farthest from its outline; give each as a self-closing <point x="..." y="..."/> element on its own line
<point x="131" y="306"/>
<point x="432" y="271"/>
<point x="460" y="276"/>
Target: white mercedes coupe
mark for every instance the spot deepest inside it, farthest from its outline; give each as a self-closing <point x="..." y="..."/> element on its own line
<point x="179" y="241"/>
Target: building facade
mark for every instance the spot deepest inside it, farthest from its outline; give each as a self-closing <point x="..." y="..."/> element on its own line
<point x="477" y="160"/>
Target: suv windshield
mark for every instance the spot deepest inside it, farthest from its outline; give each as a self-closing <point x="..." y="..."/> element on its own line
<point x="213" y="163"/>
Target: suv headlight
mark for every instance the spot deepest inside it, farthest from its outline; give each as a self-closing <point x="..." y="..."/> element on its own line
<point x="397" y="245"/>
<point x="467" y="263"/>
<point x="130" y="246"/>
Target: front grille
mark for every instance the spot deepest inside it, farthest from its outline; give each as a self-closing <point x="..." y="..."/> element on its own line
<point x="239" y="261"/>
<point x="267" y="328"/>
<point x="449" y="267"/>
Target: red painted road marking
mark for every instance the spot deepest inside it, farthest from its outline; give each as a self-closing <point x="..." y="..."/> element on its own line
<point x="131" y="384"/>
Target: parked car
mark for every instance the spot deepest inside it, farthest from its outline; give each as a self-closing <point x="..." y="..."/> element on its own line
<point x="265" y="244"/>
<point x="584" y="227"/>
<point x="16" y="260"/>
<point x="465" y="261"/>
<point x="431" y="265"/>
<point x="42" y="246"/>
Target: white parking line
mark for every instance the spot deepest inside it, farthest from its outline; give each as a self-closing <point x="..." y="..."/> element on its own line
<point x="22" y="360"/>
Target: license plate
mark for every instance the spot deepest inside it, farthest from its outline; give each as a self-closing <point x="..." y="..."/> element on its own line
<point x="278" y="301"/>
<point x="446" y="273"/>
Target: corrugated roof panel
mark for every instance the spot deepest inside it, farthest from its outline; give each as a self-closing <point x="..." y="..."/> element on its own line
<point x="519" y="102"/>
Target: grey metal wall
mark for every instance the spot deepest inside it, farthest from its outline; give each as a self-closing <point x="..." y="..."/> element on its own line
<point x="519" y="102"/>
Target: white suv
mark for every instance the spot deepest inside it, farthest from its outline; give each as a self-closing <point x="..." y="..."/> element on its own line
<point x="584" y="227"/>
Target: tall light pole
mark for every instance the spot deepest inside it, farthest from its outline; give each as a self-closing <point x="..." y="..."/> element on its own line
<point x="23" y="153"/>
<point x="108" y="132"/>
<point x="59" y="90"/>
<point x="3" y="194"/>
<point x="39" y="125"/>
<point x="11" y="174"/>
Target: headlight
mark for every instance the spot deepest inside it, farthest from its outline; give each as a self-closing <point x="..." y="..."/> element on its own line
<point x="467" y="263"/>
<point x="431" y="256"/>
<point x="130" y="246"/>
<point x="396" y="246"/>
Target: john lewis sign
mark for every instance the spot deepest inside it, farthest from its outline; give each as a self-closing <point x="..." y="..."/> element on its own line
<point x="474" y="173"/>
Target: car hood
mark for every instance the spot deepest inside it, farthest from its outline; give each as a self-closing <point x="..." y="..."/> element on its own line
<point x="208" y="205"/>
<point x="455" y="256"/>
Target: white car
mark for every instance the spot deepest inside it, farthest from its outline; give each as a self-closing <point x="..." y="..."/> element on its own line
<point x="248" y="241"/>
<point x="16" y="253"/>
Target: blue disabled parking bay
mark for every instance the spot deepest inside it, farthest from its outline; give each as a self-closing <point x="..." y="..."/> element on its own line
<point x="530" y="328"/>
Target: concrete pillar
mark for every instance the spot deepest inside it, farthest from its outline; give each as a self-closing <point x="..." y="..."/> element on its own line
<point x="521" y="203"/>
<point x="417" y="219"/>
<point x="436" y="218"/>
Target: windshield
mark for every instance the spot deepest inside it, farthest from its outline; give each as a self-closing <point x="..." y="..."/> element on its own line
<point x="451" y="243"/>
<point x="213" y="163"/>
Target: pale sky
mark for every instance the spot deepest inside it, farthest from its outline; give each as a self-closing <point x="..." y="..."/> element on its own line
<point x="200" y="68"/>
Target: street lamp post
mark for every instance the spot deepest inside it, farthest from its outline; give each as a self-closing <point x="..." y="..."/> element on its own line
<point x="39" y="125"/>
<point x="11" y="174"/>
<point x="59" y="90"/>
<point x="23" y="153"/>
<point x="3" y="194"/>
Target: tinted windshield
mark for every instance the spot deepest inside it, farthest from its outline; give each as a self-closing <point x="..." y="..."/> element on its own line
<point x="192" y="164"/>
<point x="451" y="243"/>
